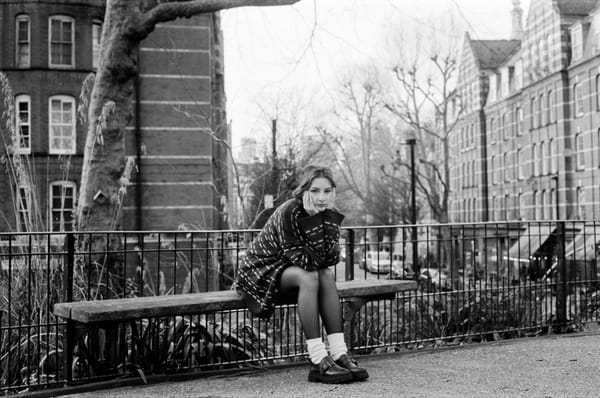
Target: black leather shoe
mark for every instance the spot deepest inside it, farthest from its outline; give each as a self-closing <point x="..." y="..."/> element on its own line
<point x="356" y="371"/>
<point x="328" y="372"/>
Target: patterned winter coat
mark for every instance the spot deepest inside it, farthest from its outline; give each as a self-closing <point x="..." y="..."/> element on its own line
<point x="290" y="237"/>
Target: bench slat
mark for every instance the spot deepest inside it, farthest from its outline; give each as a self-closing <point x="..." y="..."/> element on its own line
<point x="194" y="303"/>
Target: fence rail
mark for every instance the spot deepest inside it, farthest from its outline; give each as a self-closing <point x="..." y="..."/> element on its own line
<point x="477" y="282"/>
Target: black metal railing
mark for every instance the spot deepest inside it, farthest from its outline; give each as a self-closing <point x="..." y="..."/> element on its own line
<point x="476" y="282"/>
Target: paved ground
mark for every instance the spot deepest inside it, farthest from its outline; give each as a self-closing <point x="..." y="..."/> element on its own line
<point x="545" y="367"/>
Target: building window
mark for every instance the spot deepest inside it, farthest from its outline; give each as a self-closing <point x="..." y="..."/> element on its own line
<point x="518" y="160"/>
<point x="533" y="110"/>
<point x="598" y="92"/>
<point x="542" y="159"/>
<point x="519" y="120"/>
<point x="62" y="125"/>
<point x="598" y="148"/>
<point x="23" y="209"/>
<point x="580" y="203"/>
<point x="542" y="105"/>
<point x="552" y="204"/>
<point x="96" y="37"/>
<point x="577" y="42"/>
<point x="23" y="42"/>
<point x="61" y="41"/>
<point x="506" y="165"/>
<point x="534" y="168"/>
<point x="505" y="207"/>
<point x="579" y="151"/>
<point x="551" y="109"/>
<point x="543" y="205"/>
<point x="518" y="75"/>
<point x="549" y="45"/>
<point x="62" y="205"/>
<point x="578" y="99"/>
<point x="23" y="123"/>
<point x="540" y="205"/>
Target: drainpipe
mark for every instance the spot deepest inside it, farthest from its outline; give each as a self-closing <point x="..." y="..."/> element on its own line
<point x="138" y="149"/>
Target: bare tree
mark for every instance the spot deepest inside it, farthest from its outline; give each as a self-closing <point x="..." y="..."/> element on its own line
<point x="426" y="105"/>
<point x="352" y="134"/>
<point x="126" y="24"/>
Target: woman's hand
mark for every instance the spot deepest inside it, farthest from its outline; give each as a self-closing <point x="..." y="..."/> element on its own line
<point x="308" y="203"/>
<point x="331" y="204"/>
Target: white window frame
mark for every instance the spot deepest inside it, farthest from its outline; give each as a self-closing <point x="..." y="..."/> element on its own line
<point x="518" y="75"/>
<point x="551" y="105"/>
<point x="96" y="45"/>
<point x="63" y="185"/>
<point x="577" y="42"/>
<point x="533" y="109"/>
<point x="534" y="164"/>
<point x="578" y="99"/>
<point x="62" y="149"/>
<point x="520" y="173"/>
<point x="580" y="203"/>
<point x="51" y="40"/>
<point x="22" y="43"/>
<point x="23" y="212"/>
<point x="579" y="151"/>
<point x="20" y="123"/>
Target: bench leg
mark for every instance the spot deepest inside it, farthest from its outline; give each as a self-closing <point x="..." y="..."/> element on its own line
<point x="350" y="307"/>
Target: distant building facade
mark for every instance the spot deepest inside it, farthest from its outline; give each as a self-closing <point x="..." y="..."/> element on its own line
<point x="527" y="142"/>
<point x="182" y="174"/>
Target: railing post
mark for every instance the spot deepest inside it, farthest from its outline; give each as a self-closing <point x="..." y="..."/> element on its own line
<point x="350" y="255"/>
<point x="69" y="336"/>
<point x="562" y="278"/>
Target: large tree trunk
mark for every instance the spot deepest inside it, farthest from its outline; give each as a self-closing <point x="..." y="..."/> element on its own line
<point x="126" y="24"/>
<point x="109" y="113"/>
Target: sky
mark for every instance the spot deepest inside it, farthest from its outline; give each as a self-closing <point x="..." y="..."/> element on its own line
<point x="299" y="53"/>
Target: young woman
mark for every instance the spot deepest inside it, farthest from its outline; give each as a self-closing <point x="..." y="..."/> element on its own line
<point x="289" y="258"/>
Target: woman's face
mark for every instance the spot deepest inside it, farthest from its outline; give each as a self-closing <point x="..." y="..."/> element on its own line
<point x="321" y="193"/>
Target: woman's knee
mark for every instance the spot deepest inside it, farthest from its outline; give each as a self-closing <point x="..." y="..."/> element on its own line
<point x="309" y="280"/>
<point x="326" y="274"/>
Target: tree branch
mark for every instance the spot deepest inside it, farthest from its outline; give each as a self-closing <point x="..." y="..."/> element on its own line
<point x="173" y="9"/>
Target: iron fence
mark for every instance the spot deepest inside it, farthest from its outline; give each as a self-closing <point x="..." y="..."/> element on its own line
<point x="476" y="282"/>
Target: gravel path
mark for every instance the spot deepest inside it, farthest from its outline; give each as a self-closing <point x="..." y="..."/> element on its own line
<point x="546" y="367"/>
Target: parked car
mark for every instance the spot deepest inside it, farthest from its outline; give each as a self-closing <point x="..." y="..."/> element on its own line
<point x="379" y="262"/>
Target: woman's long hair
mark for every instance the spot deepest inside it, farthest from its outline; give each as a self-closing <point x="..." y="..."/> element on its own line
<point x="309" y="173"/>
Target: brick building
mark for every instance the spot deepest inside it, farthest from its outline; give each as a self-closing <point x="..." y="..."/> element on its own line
<point x="529" y="123"/>
<point x="527" y="143"/>
<point x="47" y="49"/>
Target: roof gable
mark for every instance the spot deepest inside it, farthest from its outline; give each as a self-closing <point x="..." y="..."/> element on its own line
<point x="490" y="54"/>
<point x="576" y="7"/>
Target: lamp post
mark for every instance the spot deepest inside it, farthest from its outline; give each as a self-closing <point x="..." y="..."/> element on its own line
<point x="413" y="205"/>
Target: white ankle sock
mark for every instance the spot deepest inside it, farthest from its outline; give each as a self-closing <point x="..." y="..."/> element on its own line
<point x="316" y="350"/>
<point x="337" y="345"/>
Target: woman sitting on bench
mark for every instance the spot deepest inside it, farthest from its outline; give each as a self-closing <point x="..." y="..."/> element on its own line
<point x="290" y="257"/>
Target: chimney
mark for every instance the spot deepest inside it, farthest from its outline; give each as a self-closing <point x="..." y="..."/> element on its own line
<point x="517" y="21"/>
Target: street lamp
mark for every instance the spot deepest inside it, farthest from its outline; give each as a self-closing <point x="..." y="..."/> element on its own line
<point x="413" y="205"/>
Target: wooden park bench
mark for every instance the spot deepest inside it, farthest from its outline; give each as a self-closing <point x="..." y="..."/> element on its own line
<point x="108" y="314"/>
